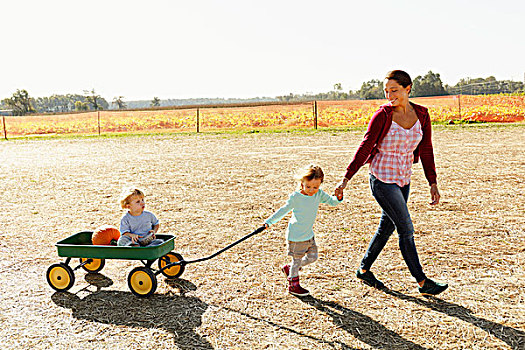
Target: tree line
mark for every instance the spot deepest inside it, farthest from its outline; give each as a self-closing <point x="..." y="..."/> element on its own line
<point x="21" y="103"/>
<point x="428" y="85"/>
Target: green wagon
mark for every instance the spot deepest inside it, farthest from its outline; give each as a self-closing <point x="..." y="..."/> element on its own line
<point x="142" y="281"/>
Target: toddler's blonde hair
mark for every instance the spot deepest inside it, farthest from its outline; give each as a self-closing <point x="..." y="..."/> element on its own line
<point x="309" y="173"/>
<point x="127" y="193"/>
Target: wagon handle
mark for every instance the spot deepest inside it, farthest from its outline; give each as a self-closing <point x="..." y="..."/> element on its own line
<point x="184" y="262"/>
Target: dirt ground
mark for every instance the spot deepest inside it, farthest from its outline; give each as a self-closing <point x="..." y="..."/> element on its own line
<point x="209" y="190"/>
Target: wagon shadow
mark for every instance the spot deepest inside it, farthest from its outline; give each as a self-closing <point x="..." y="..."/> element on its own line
<point x="180" y="315"/>
<point x="98" y="280"/>
<point x="515" y="338"/>
<point x="361" y="326"/>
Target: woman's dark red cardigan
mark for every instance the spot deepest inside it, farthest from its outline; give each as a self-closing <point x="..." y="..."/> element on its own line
<point x="377" y="130"/>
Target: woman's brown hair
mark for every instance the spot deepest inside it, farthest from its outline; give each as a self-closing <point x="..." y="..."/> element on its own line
<point x="401" y="77"/>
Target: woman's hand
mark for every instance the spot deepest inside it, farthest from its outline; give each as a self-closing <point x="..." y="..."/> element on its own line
<point x="434" y="194"/>
<point x="340" y="187"/>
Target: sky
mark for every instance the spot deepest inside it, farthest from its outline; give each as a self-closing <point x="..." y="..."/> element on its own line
<point x="243" y="49"/>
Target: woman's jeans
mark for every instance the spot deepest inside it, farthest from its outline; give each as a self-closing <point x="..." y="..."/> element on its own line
<point x="393" y="200"/>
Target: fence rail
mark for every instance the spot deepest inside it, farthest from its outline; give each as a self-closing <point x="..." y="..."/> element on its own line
<point x="305" y="114"/>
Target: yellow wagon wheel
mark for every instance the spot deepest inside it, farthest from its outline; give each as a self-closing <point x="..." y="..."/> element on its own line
<point x="174" y="271"/>
<point x="60" y="277"/>
<point x="94" y="266"/>
<point x="142" y="281"/>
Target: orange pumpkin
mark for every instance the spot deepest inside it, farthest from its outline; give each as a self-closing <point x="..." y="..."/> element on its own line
<point x="104" y="234"/>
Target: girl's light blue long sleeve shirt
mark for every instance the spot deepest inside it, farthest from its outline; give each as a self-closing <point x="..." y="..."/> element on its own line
<point x="304" y="211"/>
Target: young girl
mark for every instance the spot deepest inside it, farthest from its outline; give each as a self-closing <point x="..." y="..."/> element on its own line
<point x="304" y="204"/>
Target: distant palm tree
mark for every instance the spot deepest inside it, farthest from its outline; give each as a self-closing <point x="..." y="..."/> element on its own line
<point x="119" y="101"/>
<point x="155" y="102"/>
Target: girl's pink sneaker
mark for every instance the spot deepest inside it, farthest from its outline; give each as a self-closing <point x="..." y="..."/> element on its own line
<point x="296" y="289"/>
<point x="286" y="270"/>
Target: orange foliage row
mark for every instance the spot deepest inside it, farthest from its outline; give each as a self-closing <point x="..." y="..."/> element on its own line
<point x="484" y="108"/>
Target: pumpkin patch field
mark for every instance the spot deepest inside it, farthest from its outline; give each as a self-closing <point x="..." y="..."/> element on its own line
<point x="323" y="114"/>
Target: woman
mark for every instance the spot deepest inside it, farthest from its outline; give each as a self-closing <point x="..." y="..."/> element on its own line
<point x="398" y="134"/>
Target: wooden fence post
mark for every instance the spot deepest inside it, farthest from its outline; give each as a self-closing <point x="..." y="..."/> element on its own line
<point x="5" y="131"/>
<point x="197" y="120"/>
<point x="315" y="115"/>
<point x="459" y="104"/>
<point x="98" y="118"/>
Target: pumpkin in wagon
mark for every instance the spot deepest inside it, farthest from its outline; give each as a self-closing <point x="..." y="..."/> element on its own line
<point x="103" y="235"/>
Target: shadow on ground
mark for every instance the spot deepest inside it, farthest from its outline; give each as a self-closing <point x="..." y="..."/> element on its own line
<point x="333" y="344"/>
<point x="178" y="314"/>
<point x="515" y="338"/>
<point x="361" y="326"/>
<point x="358" y="325"/>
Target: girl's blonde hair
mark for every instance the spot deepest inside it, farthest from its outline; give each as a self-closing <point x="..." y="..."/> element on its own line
<point x="127" y="193"/>
<point x="309" y="173"/>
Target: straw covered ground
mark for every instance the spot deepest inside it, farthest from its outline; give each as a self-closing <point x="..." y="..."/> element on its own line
<point x="211" y="189"/>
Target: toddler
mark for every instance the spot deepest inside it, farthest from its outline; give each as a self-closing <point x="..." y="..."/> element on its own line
<point x="303" y="203"/>
<point x="137" y="226"/>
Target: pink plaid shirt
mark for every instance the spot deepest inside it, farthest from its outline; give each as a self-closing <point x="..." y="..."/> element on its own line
<point x="393" y="163"/>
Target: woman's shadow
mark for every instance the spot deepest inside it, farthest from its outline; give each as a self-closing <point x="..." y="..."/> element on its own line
<point x="515" y="338"/>
<point x="178" y="314"/>
<point x="361" y="326"/>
